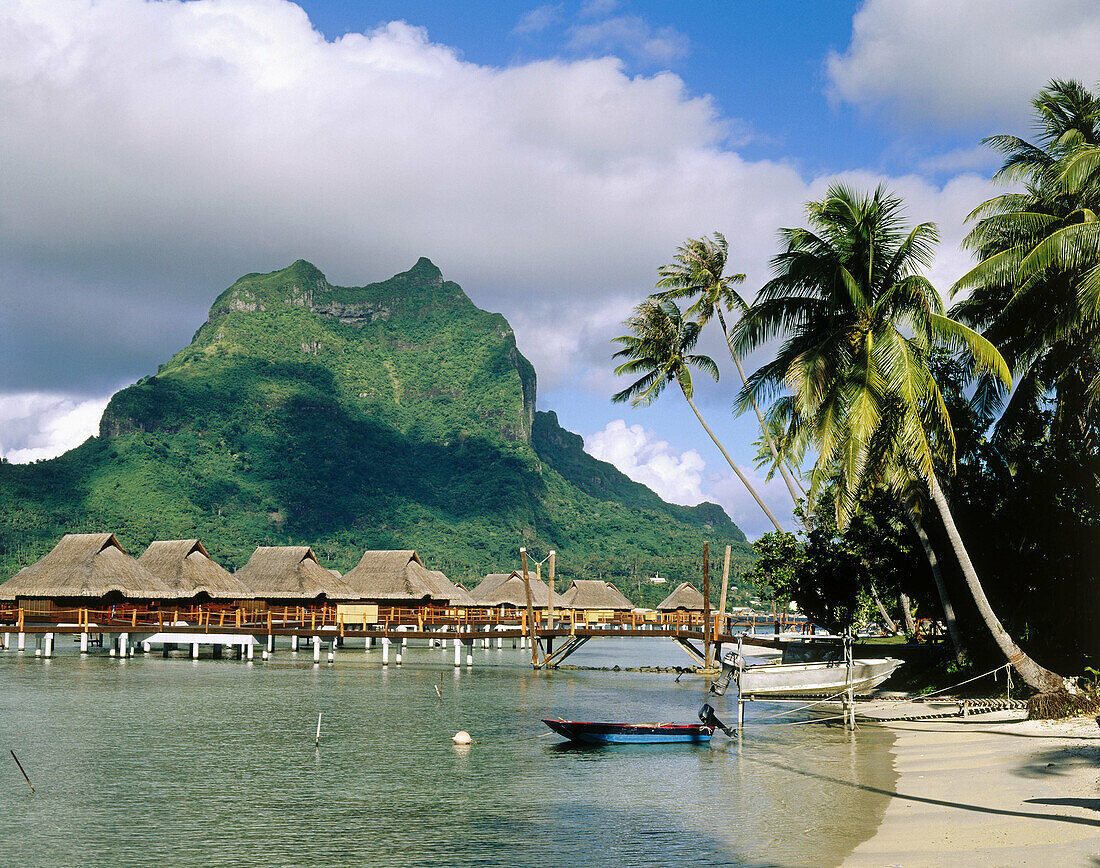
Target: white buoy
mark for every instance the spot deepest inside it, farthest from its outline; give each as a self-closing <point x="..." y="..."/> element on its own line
<point x="111" y="653"/>
<point x="265" y="655"/>
<point x="462" y="737"/>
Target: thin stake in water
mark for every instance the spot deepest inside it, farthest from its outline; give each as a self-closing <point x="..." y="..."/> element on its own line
<point x="317" y="740"/>
<point x="28" y="780"/>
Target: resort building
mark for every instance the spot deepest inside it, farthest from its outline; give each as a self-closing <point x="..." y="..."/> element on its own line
<point x="507" y="589"/>
<point x="594" y="595"/>
<point x="185" y="565"/>
<point x="291" y="574"/>
<point x="684" y="599"/>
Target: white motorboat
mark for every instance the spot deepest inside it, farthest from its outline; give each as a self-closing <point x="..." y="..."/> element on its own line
<point x="798" y="676"/>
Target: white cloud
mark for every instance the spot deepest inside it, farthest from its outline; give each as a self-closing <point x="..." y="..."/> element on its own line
<point x="954" y="64"/>
<point x="681" y="477"/>
<point x="35" y="426"/>
<point x="653" y="462"/>
<point x="538" y="19"/>
<point x="632" y="36"/>
<point x="154" y="152"/>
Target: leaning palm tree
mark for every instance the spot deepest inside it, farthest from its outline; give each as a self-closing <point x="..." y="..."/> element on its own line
<point x="659" y="348"/>
<point x="858" y="322"/>
<point x="697" y="272"/>
<point x="1036" y="289"/>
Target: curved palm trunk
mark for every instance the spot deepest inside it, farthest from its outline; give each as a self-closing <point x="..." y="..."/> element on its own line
<point x="729" y="460"/>
<point x="1036" y="677"/>
<point x="887" y="621"/>
<point x="941" y="587"/>
<point x="907" y="613"/>
<point x="760" y="416"/>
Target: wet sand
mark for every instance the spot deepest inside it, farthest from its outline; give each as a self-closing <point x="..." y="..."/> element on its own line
<point x="990" y="790"/>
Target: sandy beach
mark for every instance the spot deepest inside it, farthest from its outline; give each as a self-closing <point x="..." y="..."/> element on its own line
<point x="991" y="790"/>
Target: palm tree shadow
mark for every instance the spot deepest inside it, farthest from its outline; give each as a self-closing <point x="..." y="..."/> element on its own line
<point x="943" y="803"/>
<point x="1090" y="804"/>
<point x="1059" y="761"/>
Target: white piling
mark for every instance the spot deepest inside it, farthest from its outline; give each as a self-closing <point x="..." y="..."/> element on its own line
<point x="458" y="659"/>
<point x="22" y="641"/>
<point x="265" y="655"/>
<point x="470" y="654"/>
<point x="146" y="647"/>
<point x="316" y="649"/>
<point x="123" y="644"/>
<point x="194" y="650"/>
<point x="49" y="645"/>
<point x="7" y="641"/>
<point x="83" y="643"/>
<point x="500" y="642"/>
<point x="270" y="643"/>
<point x="385" y="651"/>
<point x="294" y="644"/>
<point x="249" y="649"/>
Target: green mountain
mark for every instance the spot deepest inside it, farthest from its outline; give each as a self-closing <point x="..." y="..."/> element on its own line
<point x="393" y="415"/>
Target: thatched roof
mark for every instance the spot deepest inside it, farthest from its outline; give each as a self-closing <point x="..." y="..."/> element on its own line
<point x="594" y="594"/>
<point x="87" y="565"/>
<point x="684" y="597"/>
<point x="186" y="566"/>
<point x="291" y="573"/>
<point x="459" y="596"/>
<point x="506" y="589"/>
<point x="398" y="576"/>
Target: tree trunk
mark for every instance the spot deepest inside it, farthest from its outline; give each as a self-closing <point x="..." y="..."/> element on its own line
<point x="729" y="461"/>
<point x="941" y="587"/>
<point x="887" y="621"/>
<point x="907" y="614"/>
<point x="1037" y="677"/>
<point x="760" y="416"/>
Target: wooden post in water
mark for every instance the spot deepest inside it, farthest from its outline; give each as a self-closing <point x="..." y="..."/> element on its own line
<point x="706" y="605"/>
<point x="550" y="584"/>
<point x="722" y="602"/>
<point x="530" y="625"/>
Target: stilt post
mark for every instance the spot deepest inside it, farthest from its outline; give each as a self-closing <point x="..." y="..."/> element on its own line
<point x="530" y="608"/>
<point x="706" y="605"/>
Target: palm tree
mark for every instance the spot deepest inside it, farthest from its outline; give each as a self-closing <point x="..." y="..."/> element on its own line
<point x="697" y="273"/>
<point x="858" y="322"/>
<point x="659" y="348"/>
<point x="1036" y="289"/>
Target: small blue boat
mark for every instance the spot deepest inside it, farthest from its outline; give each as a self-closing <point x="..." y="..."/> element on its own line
<point x="590" y="732"/>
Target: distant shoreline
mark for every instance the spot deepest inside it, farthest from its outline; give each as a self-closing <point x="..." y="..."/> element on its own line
<point x="990" y="789"/>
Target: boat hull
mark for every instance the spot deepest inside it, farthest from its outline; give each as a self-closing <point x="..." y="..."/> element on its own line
<point x="630" y="733"/>
<point x="814" y="679"/>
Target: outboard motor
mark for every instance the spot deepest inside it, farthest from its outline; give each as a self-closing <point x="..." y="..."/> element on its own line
<point x="731" y="663"/>
<point x="706" y="714"/>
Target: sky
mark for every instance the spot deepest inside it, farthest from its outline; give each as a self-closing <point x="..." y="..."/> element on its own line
<point x="549" y="158"/>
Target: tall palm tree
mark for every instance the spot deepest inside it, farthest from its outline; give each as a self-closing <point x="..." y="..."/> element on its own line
<point x="697" y="272"/>
<point x="659" y="348"/>
<point x="858" y="322"/>
<point x="1036" y="289"/>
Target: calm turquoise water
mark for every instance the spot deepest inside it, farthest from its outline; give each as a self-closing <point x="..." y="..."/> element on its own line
<point x="173" y="762"/>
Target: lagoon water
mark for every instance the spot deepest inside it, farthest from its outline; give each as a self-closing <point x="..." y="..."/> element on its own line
<point x="178" y="762"/>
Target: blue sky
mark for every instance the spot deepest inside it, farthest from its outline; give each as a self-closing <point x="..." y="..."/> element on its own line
<point x="548" y="157"/>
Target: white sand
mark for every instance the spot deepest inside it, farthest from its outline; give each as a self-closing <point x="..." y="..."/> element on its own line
<point x="991" y="790"/>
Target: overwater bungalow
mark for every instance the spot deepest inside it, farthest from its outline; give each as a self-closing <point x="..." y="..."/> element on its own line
<point x="507" y="589"/>
<point x="292" y="574"/>
<point x="460" y="597"/>
<point x="684" y="599"/>
<point x="399" y="578"/>
<point x="84" y="570"/>
<point x="186" y="566"/>
<point x="595" y="596"/>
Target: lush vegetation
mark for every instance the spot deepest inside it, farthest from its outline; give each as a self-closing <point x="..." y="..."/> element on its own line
<point x="954" y="455"/>
<point x="395" y="415"/>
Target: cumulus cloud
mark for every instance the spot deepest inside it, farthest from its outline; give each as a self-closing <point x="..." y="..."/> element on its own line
<point x="682" y="477"/>
<point x="154" y="152"/>
<point x="643" y="457"/>
<point x="953" y="63"/>
<point x="35" y="425"/>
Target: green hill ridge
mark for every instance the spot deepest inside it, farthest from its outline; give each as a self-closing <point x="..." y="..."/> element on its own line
<point x="392" y="415"/>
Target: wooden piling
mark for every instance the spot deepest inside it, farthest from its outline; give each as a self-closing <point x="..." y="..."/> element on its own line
<point x="530" y="625"/>
<point x="706" y="605"/>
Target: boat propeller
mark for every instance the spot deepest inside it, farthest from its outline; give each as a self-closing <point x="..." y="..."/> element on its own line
<point x="706" y="714"/>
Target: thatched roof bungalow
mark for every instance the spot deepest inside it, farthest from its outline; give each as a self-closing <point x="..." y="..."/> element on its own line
<point x="506" y="589"/>
<point x="685" y="599"/>
<point x="85" y="569"/>
<point x="595" y="594"/>
<point x="459" y="596"/>
<point x="186" y="566"/>
<point x="399" y="577"/>
<point x="286" y="573"/>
